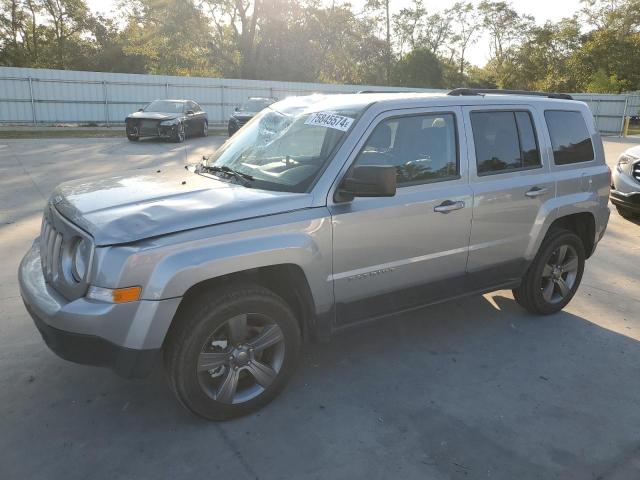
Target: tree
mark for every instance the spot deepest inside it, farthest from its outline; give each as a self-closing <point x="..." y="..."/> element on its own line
<point x="169" y="36"/>
<point x="605" y="51"/>
<point x="382" y="8"/>
<point x="506" y="30"/>
<point x="467" y="24"/>
<point x="68" y="18"/>
<point x="420" y="68"/>
<point x="235" y="33"/>
<point x="415" y="27"/>
<point x="546" y="60"/>
<point x="603" y="83"/>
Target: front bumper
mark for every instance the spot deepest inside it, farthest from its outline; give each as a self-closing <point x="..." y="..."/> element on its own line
<point x="232" y="128"/>
<point x="124" y="337"/>
<point x="161" y="131"/>
<point x="630" y="201"/>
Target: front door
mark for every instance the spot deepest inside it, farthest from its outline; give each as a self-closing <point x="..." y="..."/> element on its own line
<point x="400" y="252"/>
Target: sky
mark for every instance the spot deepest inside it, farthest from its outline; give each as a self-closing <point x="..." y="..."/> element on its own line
<point x="541" y="10"/>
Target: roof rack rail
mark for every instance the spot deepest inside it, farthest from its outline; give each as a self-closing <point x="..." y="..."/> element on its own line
<point x="387" y="91"/>
<point x="480" y="91"/>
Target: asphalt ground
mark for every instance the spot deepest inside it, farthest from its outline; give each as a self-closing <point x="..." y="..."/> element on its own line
<point x="475" y="388"/>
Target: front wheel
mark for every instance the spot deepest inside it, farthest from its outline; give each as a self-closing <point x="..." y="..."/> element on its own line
<point x="554" y="276"/>
<point x="179" y="136"/>
<point x="232" y="351"/>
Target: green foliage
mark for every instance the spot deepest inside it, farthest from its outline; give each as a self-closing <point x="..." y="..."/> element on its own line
<point x="603" y="83"/>
<point x="316" y="40"/>
<point x="420" y="68"/>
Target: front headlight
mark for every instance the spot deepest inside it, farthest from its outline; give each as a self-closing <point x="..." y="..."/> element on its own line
<point x="625" y="163"/>
<point x="169" y="123"/>
<point x="80" y="253"/>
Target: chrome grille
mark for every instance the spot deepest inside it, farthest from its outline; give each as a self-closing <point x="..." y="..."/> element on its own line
<point x="58" y="237"/>
<point x="50" y="250"/>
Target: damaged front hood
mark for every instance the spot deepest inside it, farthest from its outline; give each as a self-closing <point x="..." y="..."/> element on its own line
<point x="154" y="116"/>
<point x="125" y="209"/>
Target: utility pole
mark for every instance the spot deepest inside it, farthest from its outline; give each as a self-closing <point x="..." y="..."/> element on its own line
<point x="388" y="43"/>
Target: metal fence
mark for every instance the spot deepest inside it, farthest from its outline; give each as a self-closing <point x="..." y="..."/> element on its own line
<point x="41" y="96"/>
<point x="608" y="110"/>
<point x="36" y="96"/>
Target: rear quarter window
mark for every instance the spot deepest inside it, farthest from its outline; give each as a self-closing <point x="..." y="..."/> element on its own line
<point x="570" y="138"/>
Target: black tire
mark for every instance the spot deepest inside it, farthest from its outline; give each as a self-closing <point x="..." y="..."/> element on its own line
<point x="180" y="134"/>
<point x="132" y="138"/>
<point x="627" y="213"/>
<point x="533" y="292"/>
<point x="205" y="129"/>
<point x="190" y="339"/>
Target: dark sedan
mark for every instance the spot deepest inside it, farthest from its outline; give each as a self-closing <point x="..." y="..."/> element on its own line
<point x="246" y="112"/>
<point x="168" y="119"/>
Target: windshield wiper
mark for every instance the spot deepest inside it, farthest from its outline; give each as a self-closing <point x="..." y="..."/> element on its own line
<point x="229" y="171"/>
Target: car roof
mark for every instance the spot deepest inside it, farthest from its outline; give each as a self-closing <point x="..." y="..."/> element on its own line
<point x="393" y="100"/>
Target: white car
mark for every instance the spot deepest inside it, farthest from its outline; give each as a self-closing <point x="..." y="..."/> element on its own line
<point x="625" y="184"/>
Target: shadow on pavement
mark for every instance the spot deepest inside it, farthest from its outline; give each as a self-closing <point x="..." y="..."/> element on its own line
<point x="458" y="390"/>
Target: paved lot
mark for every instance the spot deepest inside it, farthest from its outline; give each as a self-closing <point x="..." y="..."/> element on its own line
<point x="471" y="389"/>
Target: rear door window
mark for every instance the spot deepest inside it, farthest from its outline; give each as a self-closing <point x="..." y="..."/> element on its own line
<point x="505" y="141"/>
<point x="569" y="137"/>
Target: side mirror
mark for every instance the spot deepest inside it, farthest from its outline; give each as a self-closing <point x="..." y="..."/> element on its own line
<point x="368" y="181"/>
<point x="236" y="109"/>
<point x="190" y="112"/>
<point x="141" y="109"/>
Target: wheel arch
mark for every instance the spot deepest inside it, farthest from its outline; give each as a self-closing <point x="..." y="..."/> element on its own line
<point x="583" y="224"/>
<point x="285" y="280"/>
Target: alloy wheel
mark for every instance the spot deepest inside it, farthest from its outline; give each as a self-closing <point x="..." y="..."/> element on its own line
<point x="241" y="358"/>
<point x="559" y="274"/>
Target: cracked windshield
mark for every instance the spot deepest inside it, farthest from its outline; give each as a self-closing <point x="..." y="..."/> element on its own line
<point x="284" y="147"/>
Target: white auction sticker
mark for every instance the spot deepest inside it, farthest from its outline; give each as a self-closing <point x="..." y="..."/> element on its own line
<point x="330" y="120"/>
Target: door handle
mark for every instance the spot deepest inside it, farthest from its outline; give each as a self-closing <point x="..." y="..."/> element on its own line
<point x="448" y="206"/>
<point x="536" y="192"/>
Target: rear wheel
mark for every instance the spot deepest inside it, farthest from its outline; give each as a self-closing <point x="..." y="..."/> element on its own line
<point x="555" y="274"/>
<point x="205" y="129"/>
<point x="232" y="351"/>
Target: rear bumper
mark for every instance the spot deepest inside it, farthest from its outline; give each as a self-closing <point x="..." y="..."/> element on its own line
<point x="124" y="337"/>
<point x="629" y="201"/>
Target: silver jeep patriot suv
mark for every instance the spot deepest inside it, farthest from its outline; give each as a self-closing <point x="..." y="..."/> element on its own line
<point x="321" y="212"/>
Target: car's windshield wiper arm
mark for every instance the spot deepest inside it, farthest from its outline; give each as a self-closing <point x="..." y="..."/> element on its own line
<point x="227" y="170"/>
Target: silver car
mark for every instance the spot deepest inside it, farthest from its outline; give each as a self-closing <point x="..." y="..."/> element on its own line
<point x="625" y="184"/>
<point x="321" y="213"/>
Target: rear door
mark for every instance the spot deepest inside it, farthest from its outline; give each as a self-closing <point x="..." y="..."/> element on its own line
<point x="511" y="182"/>
<point x="399" y="252"/>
